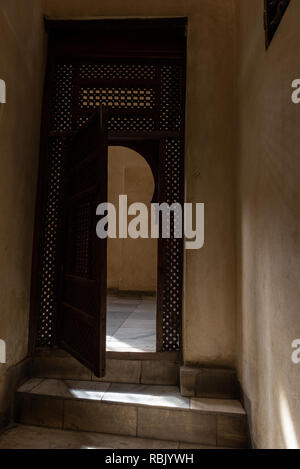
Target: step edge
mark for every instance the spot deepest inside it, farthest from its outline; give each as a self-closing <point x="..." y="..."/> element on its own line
<point x="66" y="430"/>
<point x="135" y="404"/>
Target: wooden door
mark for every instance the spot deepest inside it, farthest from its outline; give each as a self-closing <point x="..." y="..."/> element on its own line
<point x="82" y="317"/>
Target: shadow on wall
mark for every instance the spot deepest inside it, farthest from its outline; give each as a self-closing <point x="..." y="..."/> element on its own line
<point x="288" y="429"/>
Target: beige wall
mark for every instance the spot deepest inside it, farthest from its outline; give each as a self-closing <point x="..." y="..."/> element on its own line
<point x="266" y="146"/>
<point x="269" y="224"/>
<point x="131" y="263"/>
<point x="21" y="66"/>
<point x="209" y="293"/>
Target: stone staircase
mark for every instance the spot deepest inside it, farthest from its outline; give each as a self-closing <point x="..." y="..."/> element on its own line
<point x="137" y="399"/>
<point x="58" y="364"/>
<point x="135" y="410"/>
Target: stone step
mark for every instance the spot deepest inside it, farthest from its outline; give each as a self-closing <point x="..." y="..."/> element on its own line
<point x="31" y="437"/>
<point x="209" y="382"/>
<point x="144" y="411"/>
<point x="58" y="364"/>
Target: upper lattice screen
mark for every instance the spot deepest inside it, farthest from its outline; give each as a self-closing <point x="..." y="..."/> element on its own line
<point x="118" y="71"/>
<point x="128" y="98"/>
<point x="139" y="96"/>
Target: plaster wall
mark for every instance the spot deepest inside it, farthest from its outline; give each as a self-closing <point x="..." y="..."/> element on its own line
<point x="269" y="224"/>
<point x="22" y="58"/>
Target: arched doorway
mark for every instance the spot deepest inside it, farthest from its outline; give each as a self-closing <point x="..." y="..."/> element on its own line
<point x="131" y="263"/>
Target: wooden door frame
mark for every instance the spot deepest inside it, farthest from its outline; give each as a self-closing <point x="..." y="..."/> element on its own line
<point x="61" y="29"/>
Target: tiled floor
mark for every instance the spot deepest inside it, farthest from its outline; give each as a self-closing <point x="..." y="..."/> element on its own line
<point x="131" y="324"/>
<point x="132" y="394"/>
<point x="29" y="437"/>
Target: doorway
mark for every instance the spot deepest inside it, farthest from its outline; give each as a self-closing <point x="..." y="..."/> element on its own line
<point x="131" y="263"/>
<point x="141" y="84"/>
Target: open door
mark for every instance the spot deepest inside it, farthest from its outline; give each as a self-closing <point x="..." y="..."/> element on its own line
<point x="82" y="318"/>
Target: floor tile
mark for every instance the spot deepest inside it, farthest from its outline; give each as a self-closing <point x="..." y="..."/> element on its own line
<point x="143" y="316"/>
<point x="131" y="324"/>
<point x="72" y="389"/>
<point x="134" y="334"/>
<point x="87" y="390"/>
<point x="30" y="384"/>
<point x="218" y="406"/>
<point x="29" y="437"/>
<point x="139" y="324"/>
<point x="115" y="345"/>
<point x="111" y="330"/>
<point x="159" y="396"/>
<point x="119" y="311"/>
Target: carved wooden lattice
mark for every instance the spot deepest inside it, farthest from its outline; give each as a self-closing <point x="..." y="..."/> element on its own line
<point x="172" y="169"/>
<point x="48" y="280"/>
<point x="142" y="97"/>
<point x="274" y="11"/>
<point x="82" y="237"/>
<point x="129" y="98"/>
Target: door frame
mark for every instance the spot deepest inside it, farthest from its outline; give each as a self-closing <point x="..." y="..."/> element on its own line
<point x="60" y="29"/>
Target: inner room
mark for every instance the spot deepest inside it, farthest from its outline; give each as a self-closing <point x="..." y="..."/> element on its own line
<point x="131" y="263"/>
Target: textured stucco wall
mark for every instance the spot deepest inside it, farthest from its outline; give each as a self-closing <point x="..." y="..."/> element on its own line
<point x="22" y="56"/>
<point x="209" y="293"/>
<point x="269" y="224"/>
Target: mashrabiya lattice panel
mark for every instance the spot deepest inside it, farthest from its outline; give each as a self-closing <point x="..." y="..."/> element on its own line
<point x="129" y="98"/>
<point x="48" y="280"/>
<point x="172" y="288"/>
<point x="61" y="103"/>
<point x="170" y="118"/>
<point x="171" y="105"/>
<point x="118" y="71"/>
